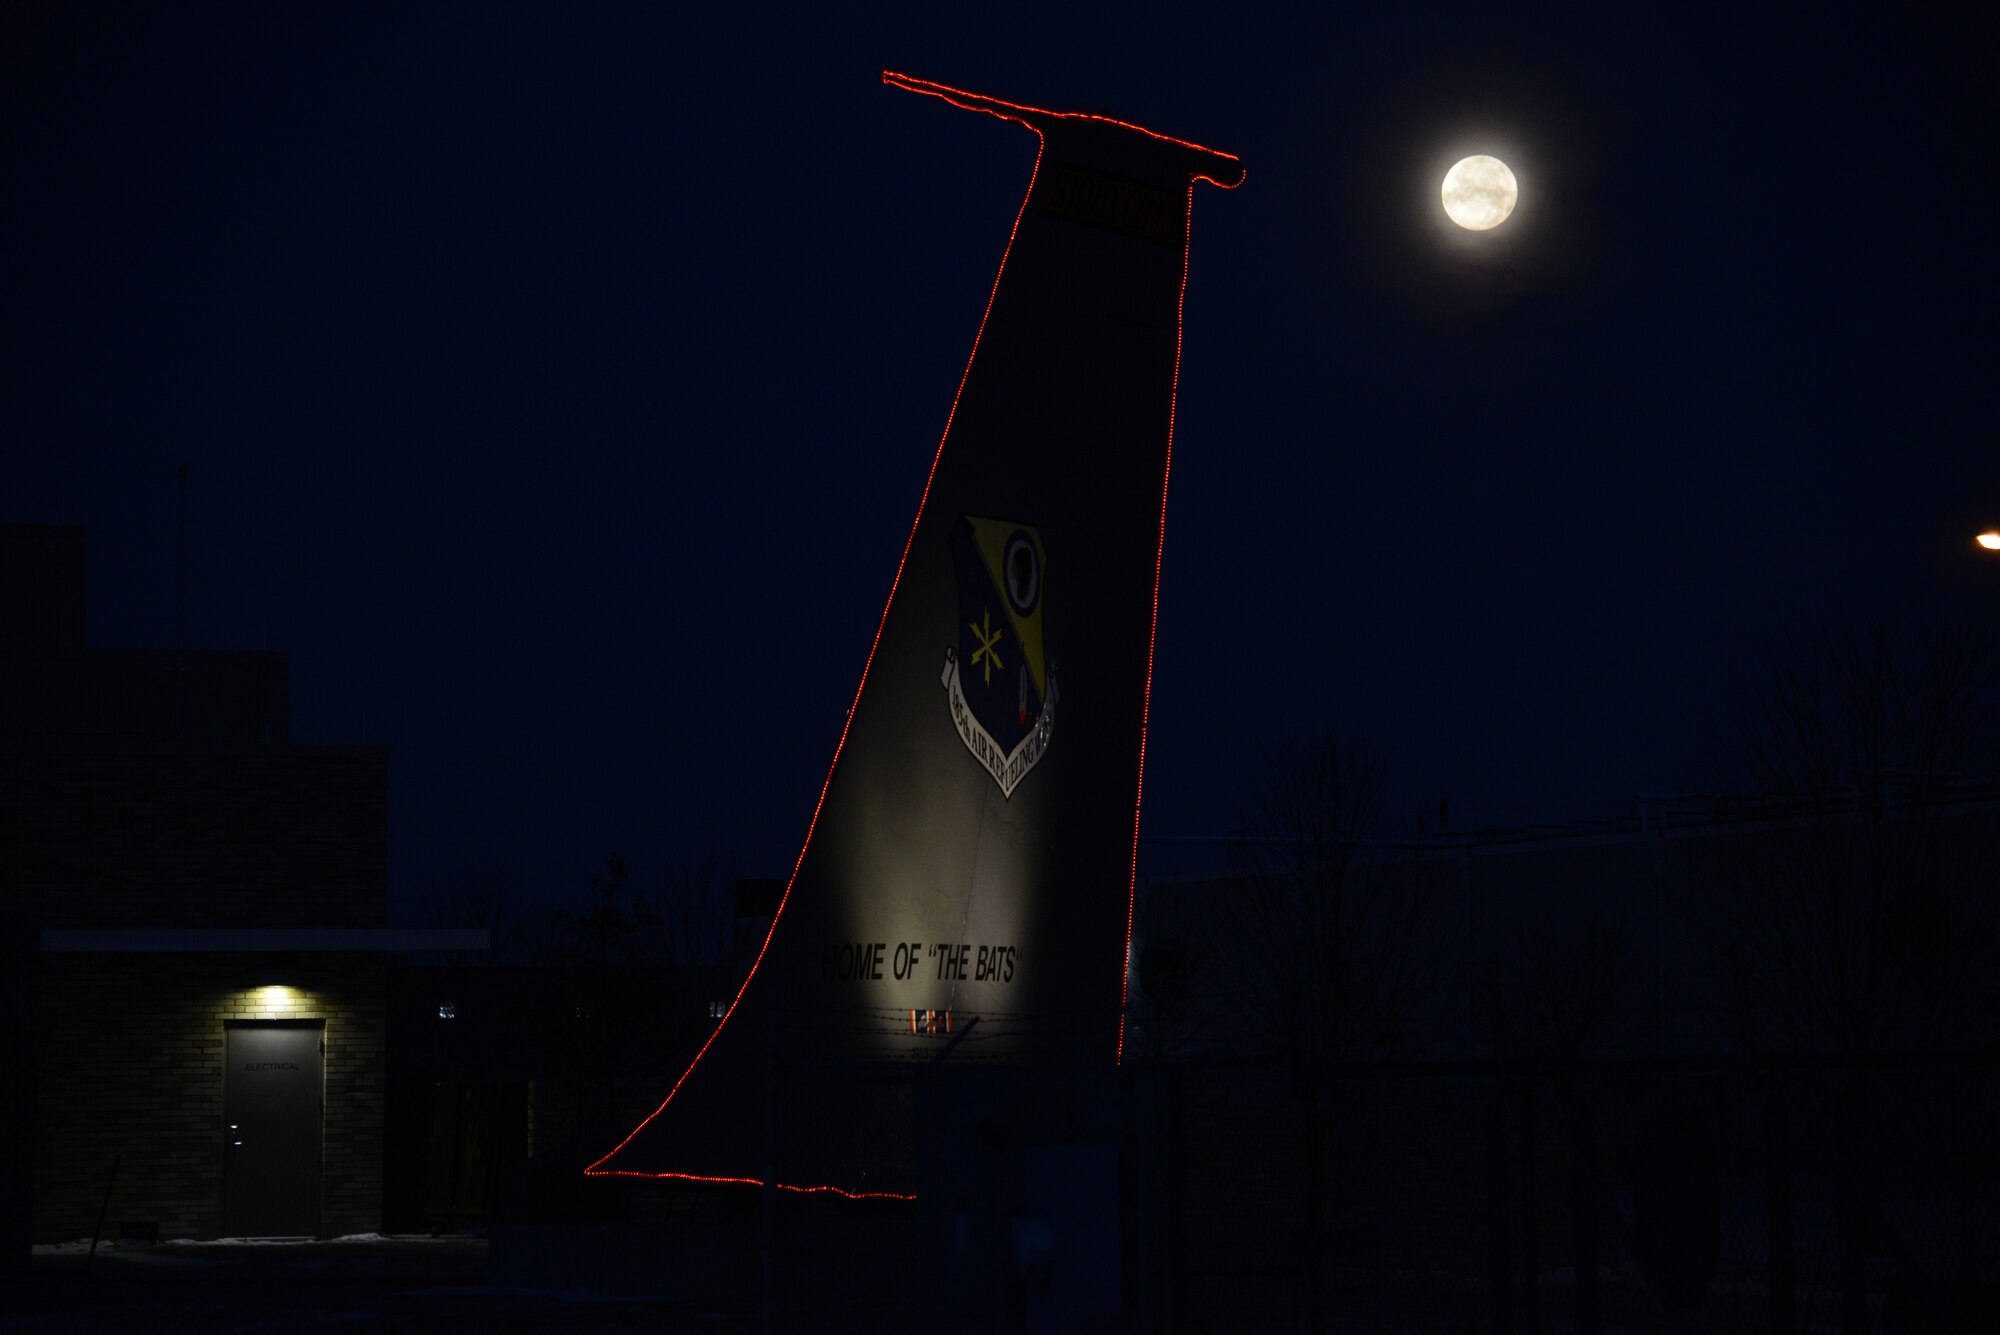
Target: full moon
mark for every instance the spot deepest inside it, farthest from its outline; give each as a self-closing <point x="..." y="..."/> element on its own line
<point x="1479" y="193"/>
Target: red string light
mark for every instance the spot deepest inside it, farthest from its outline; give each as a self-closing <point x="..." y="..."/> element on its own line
<point x="597" y="1169"/>
<point x="1002" y="110"/>
<point x="1153" y="629"/>
<point x="758" y="1182"/>
<point x="960" y="97"/>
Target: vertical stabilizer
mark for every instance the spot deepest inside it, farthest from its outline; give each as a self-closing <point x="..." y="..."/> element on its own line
<point x="966" y="881"/>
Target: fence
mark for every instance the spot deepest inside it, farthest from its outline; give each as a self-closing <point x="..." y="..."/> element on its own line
<point x="1786" y="1196"/>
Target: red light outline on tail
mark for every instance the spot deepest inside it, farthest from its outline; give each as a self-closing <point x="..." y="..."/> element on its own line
<point x="758" y="1182"/>
<point x="597" y="1169"/>
<point x="1001" y="110"/>
<point x="960" y="97"/>
<point x="1153" y="629"/>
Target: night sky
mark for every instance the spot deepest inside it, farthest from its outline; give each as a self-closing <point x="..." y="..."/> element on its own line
<point x="557" y="385"/>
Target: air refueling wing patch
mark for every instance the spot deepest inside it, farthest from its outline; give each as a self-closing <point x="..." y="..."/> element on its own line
<point x="997" y="677"/>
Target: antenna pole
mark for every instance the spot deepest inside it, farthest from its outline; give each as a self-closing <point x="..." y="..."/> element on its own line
<point x="181" y="563"/>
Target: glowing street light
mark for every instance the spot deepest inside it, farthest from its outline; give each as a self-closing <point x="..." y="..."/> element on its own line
<point x="1990" y="540"/>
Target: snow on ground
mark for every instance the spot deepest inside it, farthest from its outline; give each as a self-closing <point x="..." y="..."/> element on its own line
<point x="399" y="1239"/>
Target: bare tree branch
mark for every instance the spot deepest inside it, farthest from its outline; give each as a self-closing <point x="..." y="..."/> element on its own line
<point x="1859" y="919"/>
<point x="1325" y="952"/>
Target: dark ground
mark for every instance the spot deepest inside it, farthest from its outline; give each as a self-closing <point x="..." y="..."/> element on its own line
<point x="414" y="1284"/>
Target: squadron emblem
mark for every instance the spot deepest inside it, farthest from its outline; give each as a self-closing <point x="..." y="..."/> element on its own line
<point x="1001" y="689"/>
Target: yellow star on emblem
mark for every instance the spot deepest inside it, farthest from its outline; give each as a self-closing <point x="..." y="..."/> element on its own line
<point x="983" y="631"/>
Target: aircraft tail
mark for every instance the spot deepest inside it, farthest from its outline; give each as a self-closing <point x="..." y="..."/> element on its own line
<point x="966" y="881"/>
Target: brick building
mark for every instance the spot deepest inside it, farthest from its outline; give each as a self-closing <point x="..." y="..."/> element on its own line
<point x="208" y="900"/>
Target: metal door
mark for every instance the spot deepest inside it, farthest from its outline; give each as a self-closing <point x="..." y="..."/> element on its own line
<point x="271" y="1148"/>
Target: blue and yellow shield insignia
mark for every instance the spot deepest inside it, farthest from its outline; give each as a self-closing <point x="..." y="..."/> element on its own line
<point x="1001" y="686"/>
